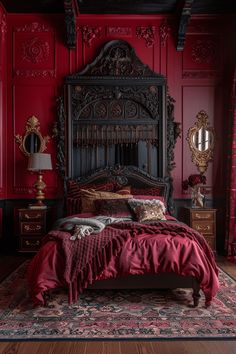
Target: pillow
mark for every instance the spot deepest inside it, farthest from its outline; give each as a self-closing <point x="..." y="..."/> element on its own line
<point x="150" y="197"/>
<point x="146" y="191"/>
<point x="89" y="195"/>
<point x="124" y="190"/>
<point x="147" y="212"/>
<point x="73" y="200"/>
<point x="151" y="202"/>
<point x="113" y="207"/>
<point x="74" y="188"/>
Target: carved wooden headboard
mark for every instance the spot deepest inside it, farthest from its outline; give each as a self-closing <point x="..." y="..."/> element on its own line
<point x="115" y="111"/>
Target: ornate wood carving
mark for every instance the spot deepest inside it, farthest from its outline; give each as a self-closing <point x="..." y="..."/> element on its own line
<point x="59" y="135"/>
<point x="117" y="58"/>
<point x="115" y="103"/>
<point x="70" y="19"/>
<point x="164" y="31"/>
<point x="119" y="31"/>
<point x="89" y="34"/>
<point x="184" y="19"/>
<point x="35" y="50"/>
<point x="32" y="27"/>
<point x="35" y="73"/>
<point x="130" y="175"/>
<point x="203" y="51"/>
<point x="146" y="33"/>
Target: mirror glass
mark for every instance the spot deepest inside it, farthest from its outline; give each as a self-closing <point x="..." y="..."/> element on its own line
<point x="32" y="143"/>
<point x="202" y="139"/>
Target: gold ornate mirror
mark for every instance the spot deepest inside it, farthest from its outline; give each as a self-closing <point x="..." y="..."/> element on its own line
<point x="32" y="141"/>
<point x="201" y="142"/>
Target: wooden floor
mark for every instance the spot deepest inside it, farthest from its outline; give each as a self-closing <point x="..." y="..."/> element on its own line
<point x="122" y="347"/>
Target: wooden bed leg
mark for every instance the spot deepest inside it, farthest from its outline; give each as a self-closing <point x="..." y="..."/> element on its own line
<point x="196" y="296"/>
<point x="47" y="296"/>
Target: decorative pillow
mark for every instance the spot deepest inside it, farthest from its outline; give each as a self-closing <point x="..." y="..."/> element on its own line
<point x="149" y="213"/>
<point x="146" y="191"/>
<point x="151" y="202"/>
<point x="124" y="190"/>
<point x="113" y="207"/>
<point x="74" y="188"/>
<point x="73" y="200"/>
<point x="89" y="195"/>
<point x="150" y="197"/>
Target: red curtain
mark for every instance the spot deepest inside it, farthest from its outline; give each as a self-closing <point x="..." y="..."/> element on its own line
<point x="231" y="188"/>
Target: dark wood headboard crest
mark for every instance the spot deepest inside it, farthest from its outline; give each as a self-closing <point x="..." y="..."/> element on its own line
<point x="117" y="58"/>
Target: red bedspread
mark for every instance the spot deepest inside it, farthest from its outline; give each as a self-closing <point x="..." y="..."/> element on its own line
<point x="121" y="249"/>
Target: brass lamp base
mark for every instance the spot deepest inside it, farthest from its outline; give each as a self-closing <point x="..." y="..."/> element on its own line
<point x="40" y="185"/>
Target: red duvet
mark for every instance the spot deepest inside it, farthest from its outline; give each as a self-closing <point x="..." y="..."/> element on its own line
<point x="121" y="249"/>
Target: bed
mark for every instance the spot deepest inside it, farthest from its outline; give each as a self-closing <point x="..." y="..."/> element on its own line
<point x="115" y="139"/>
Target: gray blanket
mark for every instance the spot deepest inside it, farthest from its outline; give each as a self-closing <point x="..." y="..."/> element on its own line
<point x="81" y="227"/>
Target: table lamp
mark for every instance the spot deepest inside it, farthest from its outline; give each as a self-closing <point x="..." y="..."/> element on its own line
<point x="39" y="162"/>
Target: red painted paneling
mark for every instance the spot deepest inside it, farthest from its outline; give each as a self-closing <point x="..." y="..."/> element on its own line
<point x="38" y="60"/>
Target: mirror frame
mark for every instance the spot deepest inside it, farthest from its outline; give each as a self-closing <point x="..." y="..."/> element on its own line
<point x="32" y="126"/>
<point x="201" y="158"/>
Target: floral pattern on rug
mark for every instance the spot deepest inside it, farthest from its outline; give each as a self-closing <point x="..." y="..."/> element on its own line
<point x="116" y="314"/>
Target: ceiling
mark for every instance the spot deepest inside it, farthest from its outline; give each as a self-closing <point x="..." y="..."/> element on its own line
<point x="121" y="6"/>
<point x="183" y="9"/>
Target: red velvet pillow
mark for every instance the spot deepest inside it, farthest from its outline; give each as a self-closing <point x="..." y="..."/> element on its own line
<point x="146" y="191"/>
<point x="113" y="207"/>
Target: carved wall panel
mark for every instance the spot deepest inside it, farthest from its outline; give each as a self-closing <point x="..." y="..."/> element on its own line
<point x="34" y="51"/>
<point x="119" y="31"/>
<point x="201" y="53"/>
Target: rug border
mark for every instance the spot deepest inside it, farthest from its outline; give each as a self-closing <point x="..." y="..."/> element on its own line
<point x="128" y="339"/>
<point x="174" y="339"/>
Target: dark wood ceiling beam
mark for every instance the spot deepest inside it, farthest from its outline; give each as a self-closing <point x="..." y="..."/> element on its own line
<point x="183" y="23"/>
<point x="70" y="19"/>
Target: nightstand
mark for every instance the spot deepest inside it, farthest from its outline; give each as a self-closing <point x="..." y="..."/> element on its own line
<point x="32" y="226"/>
<point x="203" y="220"/>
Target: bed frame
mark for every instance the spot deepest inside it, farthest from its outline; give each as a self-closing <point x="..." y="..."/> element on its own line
<point x="115" y="122"/>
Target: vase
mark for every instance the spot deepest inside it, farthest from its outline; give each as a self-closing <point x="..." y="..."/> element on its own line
<point x="197" y="198"/>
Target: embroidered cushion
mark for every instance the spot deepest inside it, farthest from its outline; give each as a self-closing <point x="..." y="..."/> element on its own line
<point x="88" y="196"/>
<point x="113" y="207"/>
<point x="149" y="213"/>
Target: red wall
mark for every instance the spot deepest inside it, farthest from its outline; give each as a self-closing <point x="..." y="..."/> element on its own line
<point x="37" y="59"/>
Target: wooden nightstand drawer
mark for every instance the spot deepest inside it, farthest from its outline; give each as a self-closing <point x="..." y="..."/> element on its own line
<point x="202" y="215"/>
<point x="31" y="215"/>
<point x="32" y="228"/>
<point x="29" y="244"/>
<point x="203" y="227"/>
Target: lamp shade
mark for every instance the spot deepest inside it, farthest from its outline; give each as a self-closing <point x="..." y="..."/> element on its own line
<point x="39" y="162"/>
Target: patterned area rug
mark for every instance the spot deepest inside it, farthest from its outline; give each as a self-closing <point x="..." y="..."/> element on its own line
<point x="115" y="314"/>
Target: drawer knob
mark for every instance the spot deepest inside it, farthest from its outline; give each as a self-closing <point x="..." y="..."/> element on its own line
<point x="32" y="227"/>
<point x="203" y="228"/>
<point x="203" y="216"/>
<point x="37" y="216"/>
<point x="28" y="243"/>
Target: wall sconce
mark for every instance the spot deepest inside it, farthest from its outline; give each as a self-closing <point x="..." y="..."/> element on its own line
<point x="39" y="162"/>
